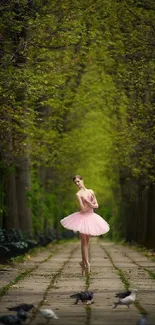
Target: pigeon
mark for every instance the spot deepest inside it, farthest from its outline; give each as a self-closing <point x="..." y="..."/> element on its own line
<point x="13" y="319"/>
<point x="127" y="300"/>
<point x="22" y="315"/>
<point x="10" y="319"/>
<point x="25" y="307"/>
<point x="143" y="320"/>
<point x="123" y="294"/>
<point x="84" y="296"/>
<point x="48" y="313"/>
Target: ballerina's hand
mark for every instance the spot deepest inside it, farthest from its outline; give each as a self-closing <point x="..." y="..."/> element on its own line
<point x="93" y="204"/>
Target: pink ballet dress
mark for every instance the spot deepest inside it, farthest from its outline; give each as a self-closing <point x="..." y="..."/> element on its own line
<point x="86" y="222"/>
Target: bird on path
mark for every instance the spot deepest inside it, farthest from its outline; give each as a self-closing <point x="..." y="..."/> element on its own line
<point x="84" y="296"/>
<point x="13" y="319"/>
<point x="22" y="315"/>
<point x="123" y="294"/>
<point x="48" y="313"/>
<point x="25" y="307"/>
<point x="143" y="320"/>
<point x="127" y="300"/>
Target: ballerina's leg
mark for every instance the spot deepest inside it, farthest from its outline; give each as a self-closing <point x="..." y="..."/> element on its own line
<point x="87" y="254"/>
<point x="83" y="252"/>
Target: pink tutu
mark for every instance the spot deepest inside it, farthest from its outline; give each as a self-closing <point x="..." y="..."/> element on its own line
<point x="88" y="223"/>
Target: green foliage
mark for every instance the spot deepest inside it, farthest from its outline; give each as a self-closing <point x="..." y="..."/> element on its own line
<point x="43" y="204"/>
<point x="77" y="96"/>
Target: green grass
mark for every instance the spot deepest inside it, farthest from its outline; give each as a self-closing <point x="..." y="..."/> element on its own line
<point x="87" y="281"/>
<point x="19" y="259"/>
<point x="123" y="278"/>
<point x="4" y="266"/>
<point x="88" y="314"/>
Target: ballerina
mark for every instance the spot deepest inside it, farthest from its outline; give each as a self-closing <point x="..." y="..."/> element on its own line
<point x="86" y="221"/>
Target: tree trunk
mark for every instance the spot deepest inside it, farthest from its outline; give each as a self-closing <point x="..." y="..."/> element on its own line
<point x="130" y="221"/>
<point x="23" y="182"/>
<point x="42" y="176"/>
<point x="142" y="207"/>
<point x="11" y="200"/>
<point x="150" y="237"/>
<point x="128" y="189"/>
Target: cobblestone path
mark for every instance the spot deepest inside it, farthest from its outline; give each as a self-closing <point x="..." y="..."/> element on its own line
<point x="48" y="278"/>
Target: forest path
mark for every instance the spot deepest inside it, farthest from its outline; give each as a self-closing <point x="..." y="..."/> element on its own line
<point x="48" y="278"/>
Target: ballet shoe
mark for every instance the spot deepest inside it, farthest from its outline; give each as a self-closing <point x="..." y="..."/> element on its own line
<point x="88" y="267"/>
<point x="82" y="267"/>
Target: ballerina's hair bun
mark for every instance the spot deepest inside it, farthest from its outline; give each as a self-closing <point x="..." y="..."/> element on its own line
<point x="77" y="176"/>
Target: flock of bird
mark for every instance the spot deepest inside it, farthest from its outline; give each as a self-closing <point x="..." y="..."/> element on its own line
<point x="86" y="297"/>
<point x="22" y="314"/>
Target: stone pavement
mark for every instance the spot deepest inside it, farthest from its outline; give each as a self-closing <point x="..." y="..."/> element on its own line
<point x="48" y="278"/>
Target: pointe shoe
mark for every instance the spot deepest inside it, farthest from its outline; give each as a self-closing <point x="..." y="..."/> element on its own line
<point x="82" y="268"/>
<point x="88" y="267"/>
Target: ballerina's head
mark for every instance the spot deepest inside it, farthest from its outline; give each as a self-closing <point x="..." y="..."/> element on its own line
<point x="78" y="181"/>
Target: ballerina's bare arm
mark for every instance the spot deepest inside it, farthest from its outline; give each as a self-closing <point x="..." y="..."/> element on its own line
<point x="93" y="204"/>
<point x="82" y="206"/>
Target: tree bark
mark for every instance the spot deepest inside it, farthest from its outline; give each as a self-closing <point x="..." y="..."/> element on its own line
<point x="142" y="207"/>
<point x="23" y="182"/>
<point x="150" y="237"/>
<point x="42" y="176"/>
<point x="11" y="200"/>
